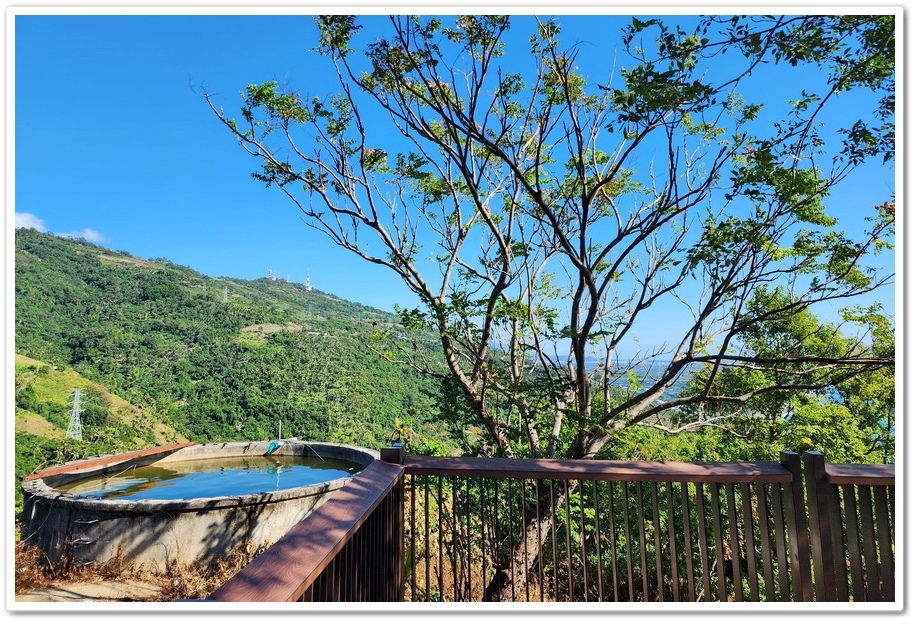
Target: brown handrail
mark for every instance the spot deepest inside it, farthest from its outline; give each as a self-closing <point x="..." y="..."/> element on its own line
<point x="287" y="570"/>
<point x="570" y="469"/>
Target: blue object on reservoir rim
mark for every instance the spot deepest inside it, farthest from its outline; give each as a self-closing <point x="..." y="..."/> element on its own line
<point x="272" y="447"/>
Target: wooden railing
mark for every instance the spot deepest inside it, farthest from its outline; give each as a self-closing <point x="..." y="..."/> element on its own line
<point x="348" y="549"/>
<point x="851" y="513"/>
<point x="445" y="529"/>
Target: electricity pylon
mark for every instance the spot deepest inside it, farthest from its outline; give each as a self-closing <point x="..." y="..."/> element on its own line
<point x="75" y="429"/>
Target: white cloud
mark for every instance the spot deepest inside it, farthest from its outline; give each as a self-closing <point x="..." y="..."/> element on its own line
<point x="29" y="221"/>
<point x="89" y="235"/>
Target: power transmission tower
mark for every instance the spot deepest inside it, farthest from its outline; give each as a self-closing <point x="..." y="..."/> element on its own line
<point x="225" y="294"/>
<point x="75" y="429"/>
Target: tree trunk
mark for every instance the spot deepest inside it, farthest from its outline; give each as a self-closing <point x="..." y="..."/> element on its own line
<point x="509" y="582"/>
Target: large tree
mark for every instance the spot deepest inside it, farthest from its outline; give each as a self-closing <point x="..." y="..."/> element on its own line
<point x="542" y="215"/>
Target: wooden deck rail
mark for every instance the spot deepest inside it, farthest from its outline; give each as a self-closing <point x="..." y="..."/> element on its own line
<point x="441" y="529"/>
<point x="851" y="511"/>
<point x="606" y="530"/>
<point x="349" y="549"/>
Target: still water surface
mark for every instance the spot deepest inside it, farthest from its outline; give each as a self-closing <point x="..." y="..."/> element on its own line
<point x="211" y="478"/>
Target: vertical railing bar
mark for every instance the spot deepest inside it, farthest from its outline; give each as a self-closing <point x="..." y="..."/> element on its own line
<point x="482" y="483"/>
<point x="719" y="538"/>
<point x="704" y="545"/>
<point x="582" y="523"/>
<point x="376" y="588"/>
<point x="376" y="536"/>
<point x="394" y="508"/>
<point x="750" y="541"/>
<point x="341" y="566"/>
<point x="839" y="555"/>
<point x="643" y="547"/>
<point x="568" y="522"/>
<point x="869" y="542"/>
<point x="461" y="517"/>
<point x="315" y="590"/>
<point x="342" y="593"/>
<point x="853" y="542"/>
<point x="349" y="590"/>
<point x="458" y="538"/>
<point x="737" y="586"/>
<point x="440" y="534"/>
<point x="612" y="527"/>
<point x="372" y="587"/>
<point x="333" y="593"/>
<point x="525" y="551"/>
<point x="428" y="546"/>
<point x="447" y="518"/>
<point x="374" y="591"/>
<point x="511" y="536"/>
<point x="539" y="520"/>
<point x="625" y="512"/>
<point x="366" y="534"/>
<point x="401" y="588"/>
<point x="659" y="562"/>
<point x="327" y="588"/>
<point x="496" y="521"/>
<point x="886" y="567"/>
<point x="412" y="526"/>
<point x="766" y="546"/>
<point x="339" y="570"/>
<point x="555" y="549"/>
<point x="456" y="549"/>
<point x="598" y="557"/>
<point x="688" y="541"/>
<point x="461" y="533"/>
<point x="629" y="539"/>
<point x="467" y="489"/>
<point x="672" y="543"/>
<point x="782" y="546"/>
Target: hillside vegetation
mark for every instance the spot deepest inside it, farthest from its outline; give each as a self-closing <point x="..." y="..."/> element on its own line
<point x="164" y="354"/>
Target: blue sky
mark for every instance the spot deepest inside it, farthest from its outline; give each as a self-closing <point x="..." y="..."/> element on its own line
<point x="114" y="143"/>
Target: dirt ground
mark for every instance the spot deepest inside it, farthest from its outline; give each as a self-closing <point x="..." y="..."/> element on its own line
<point x="118" y="581"/>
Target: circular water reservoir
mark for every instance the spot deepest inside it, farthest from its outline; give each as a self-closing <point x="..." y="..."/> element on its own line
<point x="182" y="503"/>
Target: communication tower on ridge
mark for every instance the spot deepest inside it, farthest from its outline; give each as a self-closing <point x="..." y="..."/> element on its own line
<point x="308" y="282"/>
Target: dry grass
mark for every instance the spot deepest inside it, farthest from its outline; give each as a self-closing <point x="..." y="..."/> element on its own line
<point x="178" y="581"/>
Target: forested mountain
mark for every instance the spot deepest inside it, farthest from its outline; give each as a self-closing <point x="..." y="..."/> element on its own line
<point x="214" y="359"/>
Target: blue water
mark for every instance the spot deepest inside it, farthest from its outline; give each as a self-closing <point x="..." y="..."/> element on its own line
<point x="210" y="478"/>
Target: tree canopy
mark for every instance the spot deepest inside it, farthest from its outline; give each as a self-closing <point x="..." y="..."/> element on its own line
<point x="543" y="215"/>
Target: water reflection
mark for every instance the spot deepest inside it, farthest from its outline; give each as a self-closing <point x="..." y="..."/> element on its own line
<point x="211" y="478"/>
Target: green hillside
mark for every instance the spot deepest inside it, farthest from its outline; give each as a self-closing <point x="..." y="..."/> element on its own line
<point x="207" y="359"/>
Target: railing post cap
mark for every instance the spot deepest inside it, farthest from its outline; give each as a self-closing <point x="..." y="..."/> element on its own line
<point x="393" y="453"/>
